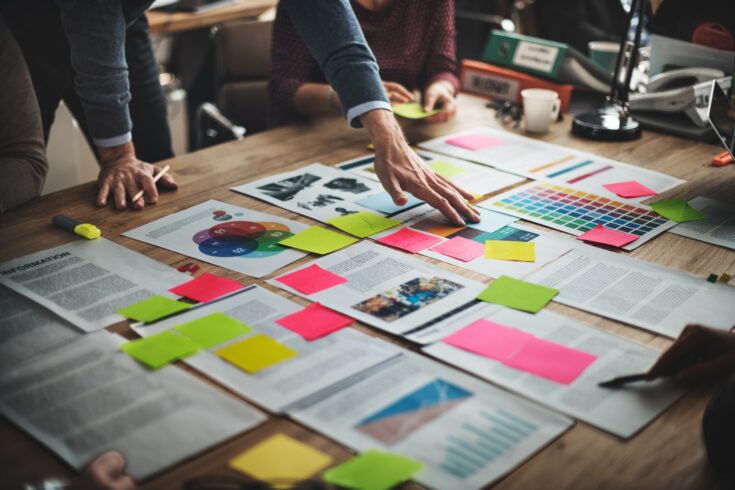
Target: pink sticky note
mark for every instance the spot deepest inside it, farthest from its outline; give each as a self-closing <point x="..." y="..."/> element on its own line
<point x="489" y="339"/>
<point x="409" y="240"/>
<point x="630" y="188"/>
<point x="551" y="361"/>
<point x="312" y="279"/>
<point x="600" y="234"/>
<point x="474" y="142"/>
<point x="315" y="321"/>
<point x="460" y="248"/>
<point x="206" y="287"/>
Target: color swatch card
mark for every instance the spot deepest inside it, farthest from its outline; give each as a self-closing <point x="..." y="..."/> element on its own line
<point x="229" y="236"/>
<point x="576" y="211"/>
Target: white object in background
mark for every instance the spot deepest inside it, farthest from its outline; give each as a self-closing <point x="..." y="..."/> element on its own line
<point x="540" y="107"/>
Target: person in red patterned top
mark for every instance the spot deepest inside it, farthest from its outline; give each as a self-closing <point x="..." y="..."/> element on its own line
<point x="412" y="40"/>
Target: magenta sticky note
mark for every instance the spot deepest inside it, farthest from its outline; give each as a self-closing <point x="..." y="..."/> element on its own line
<point x="460" y="248"/>
<point x="409" y="240"/>
<point x="630" y="188"/>
<point x="474" y="142"/>
<point x="312" y="279"/>
<point x="206" y="287"/>
<point x="315" y="321"/>
<point x="550" y="360"/>
<point x="489" y="339"/>
<point x="600" y="234"/>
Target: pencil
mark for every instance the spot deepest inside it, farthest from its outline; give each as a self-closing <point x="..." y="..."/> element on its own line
<point x="622" y="380"/>
<point x="155" y="179"/>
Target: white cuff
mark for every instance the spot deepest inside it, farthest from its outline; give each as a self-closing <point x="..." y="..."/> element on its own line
<point x="114" y="141"/>
<point x="353" y="115"/>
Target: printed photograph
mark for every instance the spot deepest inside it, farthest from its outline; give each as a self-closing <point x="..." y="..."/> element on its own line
<point x="285" y="190"/>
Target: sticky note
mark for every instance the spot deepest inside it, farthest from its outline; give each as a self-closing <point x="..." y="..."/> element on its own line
<point x="281" y="458"/>
<point x="630" y="189"/>
<point x="318" y="240"/>
<point x="383" y="203"/>
<point x="600" y="234"/>
<point x="152" y="309"/>
<point x="474" y="142"/>
<point x="312" y="279"/>
<point x="550" y="360"/>
<point x="315" y="321"/>
<point x="206" y="287"/>
<point x="409" y="240"/>
<point x="489" y="339"/>
<point x="213" y="329"/>
<point x="413" y="110"/>
<point x="363" y="224"/>
<point x="517" y="294"/>
<point x="510" y="250"/>
<point x="460" y="248"/>
<point x="373" y="470"/>
<point x="256" y="353"/>
<point x="446" y="169"/>
<point x="677" y="210"/>
<point x="159" y="349"/>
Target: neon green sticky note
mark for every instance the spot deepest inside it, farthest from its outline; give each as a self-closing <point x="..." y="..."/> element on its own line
<point x="517" y="294"/>
<point x="318" y="240"/>
<point x="159" y="349"/>
<point x="152" y="309"/>
<point x="446" y="169"/>
<point x="256" y="353"/>
<point x="413" y="110"/>
<point x="363" y="224"/>
<point x="510" y="250"/>
<point x="677" y="210"/>
<point x="373" y="470"/>
<point x="213" y="329"/>
<point x="281" y="458"/>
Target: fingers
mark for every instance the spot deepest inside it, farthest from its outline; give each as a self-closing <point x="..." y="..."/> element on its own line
<point x="119" y="191"/>
<point x="397" y="93"/>
<point x="150" y="188"/>
<point x="131" y="186"/>
<point x="465" y="194"/>
<point x="430" y="100"/>
<point x="435" y="200"/>
<point x="393" y="188"/>
<point x="103" y="193"/>
<point x="106" y="472"/>
<point x="706" y="370"/>
<point x="458" y="202"/>
<point x="168" y="182"/>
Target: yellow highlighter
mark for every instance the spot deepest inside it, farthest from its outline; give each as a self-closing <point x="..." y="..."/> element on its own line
<point x="90" y="232"/>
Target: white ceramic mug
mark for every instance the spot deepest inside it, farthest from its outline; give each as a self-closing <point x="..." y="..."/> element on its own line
<point x="540" y="107"/>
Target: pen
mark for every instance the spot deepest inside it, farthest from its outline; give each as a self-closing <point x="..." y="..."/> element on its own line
<point x="622" y="380"/>
<point x="88" y="231"/>
<point x="155" y="179"/>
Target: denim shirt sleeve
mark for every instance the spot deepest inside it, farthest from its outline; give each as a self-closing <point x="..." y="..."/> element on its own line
<point x="332" y="33"/>
<point x="95" y="30"/>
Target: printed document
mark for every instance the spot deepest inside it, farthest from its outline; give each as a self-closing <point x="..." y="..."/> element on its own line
<point x="718" y="228"/>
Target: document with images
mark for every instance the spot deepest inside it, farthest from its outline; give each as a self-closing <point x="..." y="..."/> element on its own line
<point x="222" y="234"/>
<point x="717" y="228"/>
<point x="87" y="397"/>
<point x="467" y="433"/>
<point x="388" y="289"/>
<point x="28" y="329"/>
<point x="622" y="412"/>
<point x="639" y="293"/>
<point x="318" y="365"/>
<point x="87" y="281"/>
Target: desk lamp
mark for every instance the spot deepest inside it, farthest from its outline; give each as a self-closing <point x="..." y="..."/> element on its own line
<point x="612" y="121"/>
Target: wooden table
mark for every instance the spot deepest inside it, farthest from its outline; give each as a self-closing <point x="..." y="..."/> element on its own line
<point x="666" y="454"/>
<point x="161" y="22"/>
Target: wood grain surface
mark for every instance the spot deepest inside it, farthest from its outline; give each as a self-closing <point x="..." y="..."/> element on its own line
<point x="161" y="22"/>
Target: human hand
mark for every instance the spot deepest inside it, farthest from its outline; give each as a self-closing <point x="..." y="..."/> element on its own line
<point x="106" y="472"/>
<point x="400" y="169"/>
<point x="440" y="95"/>
<point x="699" y="353"/>
<point x="397" y="93"/>
<point x="121" y="172"/>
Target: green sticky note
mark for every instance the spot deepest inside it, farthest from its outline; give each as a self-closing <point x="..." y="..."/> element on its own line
<point x="152" y="309"/>
<point x="446" y="169"/>
<point x="517" y="294"/>
<point x="413" y="110"/>
<point x="213" y="329"/>
<point x="373" y="470"/>
<point x="363" y="224"/>
<point x="677" y="210"/>
<point x="318" y="240"/>
<point x="159" y="349"/>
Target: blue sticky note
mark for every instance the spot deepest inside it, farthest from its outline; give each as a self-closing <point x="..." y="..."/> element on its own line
<point x="383" y="203"/>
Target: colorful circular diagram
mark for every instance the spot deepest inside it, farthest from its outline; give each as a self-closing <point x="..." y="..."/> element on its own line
<point x="247" y="239"/>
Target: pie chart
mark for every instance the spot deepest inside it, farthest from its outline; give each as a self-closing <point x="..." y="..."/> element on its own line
<point x="249" y="239"/>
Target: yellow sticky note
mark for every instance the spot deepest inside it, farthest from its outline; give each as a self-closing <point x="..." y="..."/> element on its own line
<point x="363" y="224"/>
<point x="256" y="353"/>
<point x="281" y="458"/>
<point x="446" y="169"/>
<point x="510" y="250"/>
<point x="318" y="240"/>
<point x="413" y="110"/>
